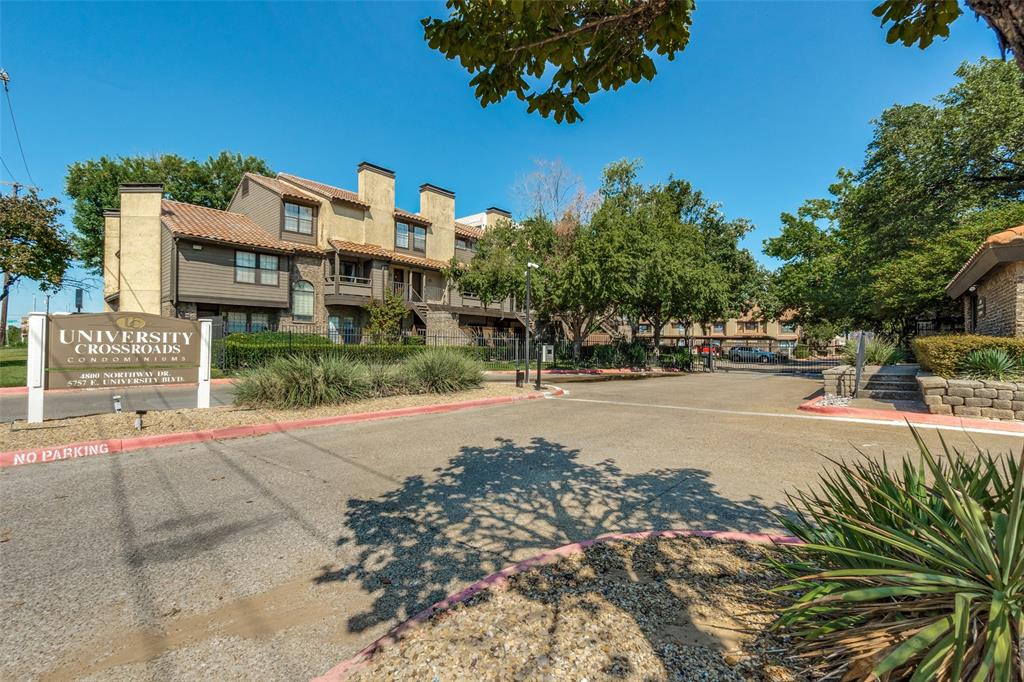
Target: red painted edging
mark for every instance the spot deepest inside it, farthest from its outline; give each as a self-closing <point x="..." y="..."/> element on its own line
<point x="340" y="671"/>
<point x="13" y="390"/>
<point x="915" y="418"/>
<point x="104" y="447"/>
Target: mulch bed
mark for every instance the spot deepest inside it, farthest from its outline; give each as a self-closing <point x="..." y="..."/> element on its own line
<point x="23" y="436"/>
<point x="644" y="610"/>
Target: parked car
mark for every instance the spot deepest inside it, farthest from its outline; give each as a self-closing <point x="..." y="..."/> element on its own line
<point x="706" y="348"/>
<point x="751" y="354"/>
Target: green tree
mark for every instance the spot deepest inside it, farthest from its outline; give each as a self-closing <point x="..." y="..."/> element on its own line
<point x="385" y="317"/>
<point x="32" y="245"/>
<point x="555" y="55"/>
<point x="93" y="187"/>
<point x="937" y="179"/>
<point x="675" y="247"/>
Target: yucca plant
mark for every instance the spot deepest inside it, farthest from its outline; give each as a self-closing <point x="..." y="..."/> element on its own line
<point x="876" y="352"/>
<point x="910" y="573"/>
<point x="441" y="370"/>
<point x="302" y="381"/>
<point x="990" y="363"/>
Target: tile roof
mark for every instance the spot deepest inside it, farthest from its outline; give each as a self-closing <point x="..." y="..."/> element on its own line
<point x="464" y="230"/>
<point x="222" y="226"/>
<point x="1013" y="236"/>
<point x="329" y="191"/>
<point x="281" y="189"/>
<point x="384" y="254"/>
<point x="414" y="218"/>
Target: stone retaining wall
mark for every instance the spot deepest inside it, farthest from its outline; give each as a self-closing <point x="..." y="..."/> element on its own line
<point x="840" y="380"/>
<point x="972" y="398"/>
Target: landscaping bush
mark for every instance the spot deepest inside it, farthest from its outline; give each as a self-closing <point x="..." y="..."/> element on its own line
<point x="914" y="572"/>
<point x="945" y="354"/>
<point x="442" y="370"/>
<point x="801" y="352"/>
<point x="302" y="381"/>
<point x="876" y="352"/>
<point x="386" y="380"/>
<point x="990" y="363"/>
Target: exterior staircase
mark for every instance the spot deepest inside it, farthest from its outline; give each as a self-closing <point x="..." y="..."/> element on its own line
<point x="421" y="309"/>
<point x="890" y="383"/>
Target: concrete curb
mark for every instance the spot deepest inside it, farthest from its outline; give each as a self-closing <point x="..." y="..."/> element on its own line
<point x="113" y="445"/>
<point x="14" y="390"/>
<point x="343" y="669"/>
<point x="915" y="418"/>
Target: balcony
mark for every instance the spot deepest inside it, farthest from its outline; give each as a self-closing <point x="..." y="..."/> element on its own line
<point x="347" y="290"/>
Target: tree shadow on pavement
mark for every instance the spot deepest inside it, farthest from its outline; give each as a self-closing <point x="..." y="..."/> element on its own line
<point x="490" y="507"/>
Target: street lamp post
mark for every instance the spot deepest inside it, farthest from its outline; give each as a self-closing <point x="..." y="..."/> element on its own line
<point x="529" y="268"/>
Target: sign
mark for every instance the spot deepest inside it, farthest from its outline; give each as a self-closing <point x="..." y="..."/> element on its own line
<point x="547" y="353"/>
<point x="116" y="350"/>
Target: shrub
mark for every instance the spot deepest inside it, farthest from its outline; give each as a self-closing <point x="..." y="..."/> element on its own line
<point x="914" y="572"/>
<point x="945" y="354"/>
<point x="876" y="352"/>
<point x="442" y="370"/>
<point x="386" y="380"/>
<point x="990" y="363"/>
<point x="801" y="352"/>
<point x="302" y="381"/>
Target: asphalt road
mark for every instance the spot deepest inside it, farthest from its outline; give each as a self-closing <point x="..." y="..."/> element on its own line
<point x="277" y="557"/>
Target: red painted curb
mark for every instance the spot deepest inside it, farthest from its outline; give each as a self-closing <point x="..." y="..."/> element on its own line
<point x="104" y="447"/>
<point x="915" y="418"/>
<point x="340" y="671"/>
<point x="13" y="390"/>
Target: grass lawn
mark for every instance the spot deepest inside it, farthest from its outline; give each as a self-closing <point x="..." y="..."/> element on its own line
<point x="12" y="365"/>
<point x="13" y="361"/>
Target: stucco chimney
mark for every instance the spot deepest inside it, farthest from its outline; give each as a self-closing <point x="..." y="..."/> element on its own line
<point x="139" y="246"/>
<point x="377" y="188"/>
<point x="437" y="205"/>
<point x="494" y="214"/>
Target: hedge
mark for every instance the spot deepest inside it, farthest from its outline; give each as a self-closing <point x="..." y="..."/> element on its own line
<point x="254" y="350"/>
<point x="944" y="354"/>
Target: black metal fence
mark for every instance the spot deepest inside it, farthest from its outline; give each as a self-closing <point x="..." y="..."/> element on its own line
<point x="502" y="349"/>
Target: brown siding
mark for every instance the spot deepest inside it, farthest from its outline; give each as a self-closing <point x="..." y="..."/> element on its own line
<point x="261" y="205"/>
<point x="166" y="263"/>
<point x="295" y="236"/>
<point x="209" y="276"/>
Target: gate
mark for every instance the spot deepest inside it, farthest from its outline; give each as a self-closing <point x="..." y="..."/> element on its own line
<point x="763" y="355"/>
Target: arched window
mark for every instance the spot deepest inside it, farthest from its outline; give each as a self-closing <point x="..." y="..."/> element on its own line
<point x="302" y="301"/>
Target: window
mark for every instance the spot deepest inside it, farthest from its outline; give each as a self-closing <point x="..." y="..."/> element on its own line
<point x="259" y="322"/>
<point x="789" y="327"/>
<point x="302" y="301"/>
<point x="268" y="269"/>
<point x="718" y="328"/>
<point x="410" y="236"/>
<point x="298" y="218"/>
<point x="247" y="264"/>
<point x="236" y="322"/>
<point x="245" y="267"/>
<point x="680" y="328"/>
<point x="465" y="244"/>
<point x="644" y="328"/>
<point x="350" y="271"/>
<point x="750" y="326"/>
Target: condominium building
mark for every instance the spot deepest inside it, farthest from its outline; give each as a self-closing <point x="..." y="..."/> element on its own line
<point x="295" y="251"/>
<point x="752" y="328"/>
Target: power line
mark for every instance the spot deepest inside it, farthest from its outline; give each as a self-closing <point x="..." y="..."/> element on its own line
<point x="8" y="169"/>
<point x="10" y="107"/>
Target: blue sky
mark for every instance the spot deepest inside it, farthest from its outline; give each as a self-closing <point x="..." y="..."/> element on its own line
<point x="762" y="108"/>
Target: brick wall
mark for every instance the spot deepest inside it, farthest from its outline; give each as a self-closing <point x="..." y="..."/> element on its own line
<point x="1000" y="297"/>
<point x="971" y="398"/>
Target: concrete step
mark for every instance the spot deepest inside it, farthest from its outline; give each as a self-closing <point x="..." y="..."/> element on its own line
<point x="890" y="385"/>
<point x="876" y="394"/>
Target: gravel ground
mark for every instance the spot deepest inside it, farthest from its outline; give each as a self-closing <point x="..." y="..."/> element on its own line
<point x="22" y="436"/>
<point x="830" y="400"/>
<point x="656" y="609"/>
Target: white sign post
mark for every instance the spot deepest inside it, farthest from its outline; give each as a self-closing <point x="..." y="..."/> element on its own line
<point x="205" y="345"/>
<point x="36" y="370"/>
